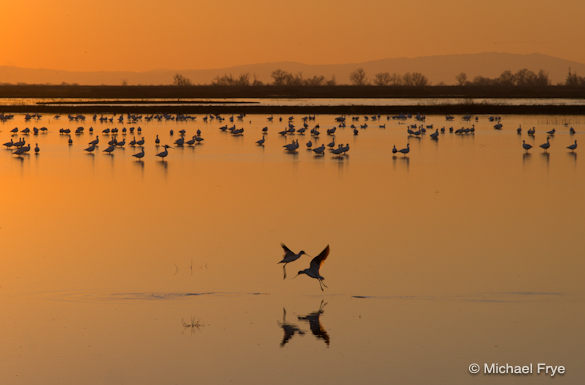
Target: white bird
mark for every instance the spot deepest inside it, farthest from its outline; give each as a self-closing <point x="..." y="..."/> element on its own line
<point x="526" y="146"/>
<point x="291" y="147"/>
<point x="163" y="154"/>
<point x="315" y="266"/>
<point x="319" y="150"/>
<point x="573" y="146"/>
<point x="546" y="146"/>
<point x="20" y="143"/>
<point x="139" y="155"/>
<point x="288" y="257"/>
<point x="22" y="150"/>
<point x="406" y="150"/>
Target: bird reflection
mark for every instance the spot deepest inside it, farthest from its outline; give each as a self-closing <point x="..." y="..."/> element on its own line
<point x="573" y="155"/>
<point x="289" y="329"/>
<point x="315" y="323"/>
<point x="546" y="157"/>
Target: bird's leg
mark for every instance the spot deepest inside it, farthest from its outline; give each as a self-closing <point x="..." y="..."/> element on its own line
<point x="321" y="285"/>
<point x="284" y="271"/>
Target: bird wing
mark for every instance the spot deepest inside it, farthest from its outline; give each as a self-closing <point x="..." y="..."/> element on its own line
<point x="286" y="249"/>
<point x="318" y="260"/>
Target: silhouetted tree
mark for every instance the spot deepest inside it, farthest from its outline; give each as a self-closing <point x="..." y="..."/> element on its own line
<point x="358" y="77"/>
<point x="396" y="79"/>
<point x="414" y="79"/>
<point x="284" y="78"/>
<point x="317" y="80"/>
<point x="382" y="79"/>
<point x="181" y="81"/>
<point x="574" y="80"/>
<point x="461" y="78"/>
<point x="279" y="77"/>
<point x="506" y="79"/>
<point x="522" y="78"/>
<point x="242" y="80"/>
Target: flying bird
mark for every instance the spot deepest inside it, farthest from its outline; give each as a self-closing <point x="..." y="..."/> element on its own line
<point x="289" y="256"/>
<point x="313" y="270"/>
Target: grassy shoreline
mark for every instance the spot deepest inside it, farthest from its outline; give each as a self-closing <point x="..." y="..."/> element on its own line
<point x="437" y="109"/>
<point x="332" y="92"/>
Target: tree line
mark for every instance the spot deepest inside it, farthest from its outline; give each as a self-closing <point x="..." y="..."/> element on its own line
<point x="359" y="77"/>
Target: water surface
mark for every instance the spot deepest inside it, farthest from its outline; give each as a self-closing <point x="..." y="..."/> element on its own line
<point x="116" y="271"/>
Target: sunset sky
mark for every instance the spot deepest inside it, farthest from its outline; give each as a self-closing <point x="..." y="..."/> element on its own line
<point x="142" y="35"/>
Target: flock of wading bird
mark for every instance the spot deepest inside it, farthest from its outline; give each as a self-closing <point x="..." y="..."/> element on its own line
<point x="338" y="150"/>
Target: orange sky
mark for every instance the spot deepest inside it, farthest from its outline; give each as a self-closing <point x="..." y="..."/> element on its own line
<point x="190" y="34"/>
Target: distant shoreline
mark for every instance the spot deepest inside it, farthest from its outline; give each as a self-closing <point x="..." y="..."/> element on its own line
<point x="458" y="109"/>
<point x="330" y="92"/>
<point x="150" y="101"/>
<point x="111" y="99"/>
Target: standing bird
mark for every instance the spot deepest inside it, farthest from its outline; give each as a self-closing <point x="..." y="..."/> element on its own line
<point x="261" y="141"/>
<point x="90" y="148"/>
<point x="546" y="146"/>
<point x="289" y="257"/>
<point x="163" y="154"/>
<point x="394" y="150"/>
<point x="406" y="150"/>
<point x="157" y="140"/>
<point x="526" y="146"/>
<point x="573" y="146"/>
<point x="313" y="270"/>
<point x="110" y="149"/>
<point x="319" y="150"/>
<point x="139" y="155"/>
<point x="37" y="149"/>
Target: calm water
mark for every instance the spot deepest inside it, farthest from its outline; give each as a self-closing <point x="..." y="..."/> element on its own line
<point x="119" y="272"/>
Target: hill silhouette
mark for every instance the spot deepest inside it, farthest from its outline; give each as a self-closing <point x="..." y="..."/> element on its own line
<point x="438" y="69"/>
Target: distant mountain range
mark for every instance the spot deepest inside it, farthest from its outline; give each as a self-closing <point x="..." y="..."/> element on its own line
<point x="439" y="69"/>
